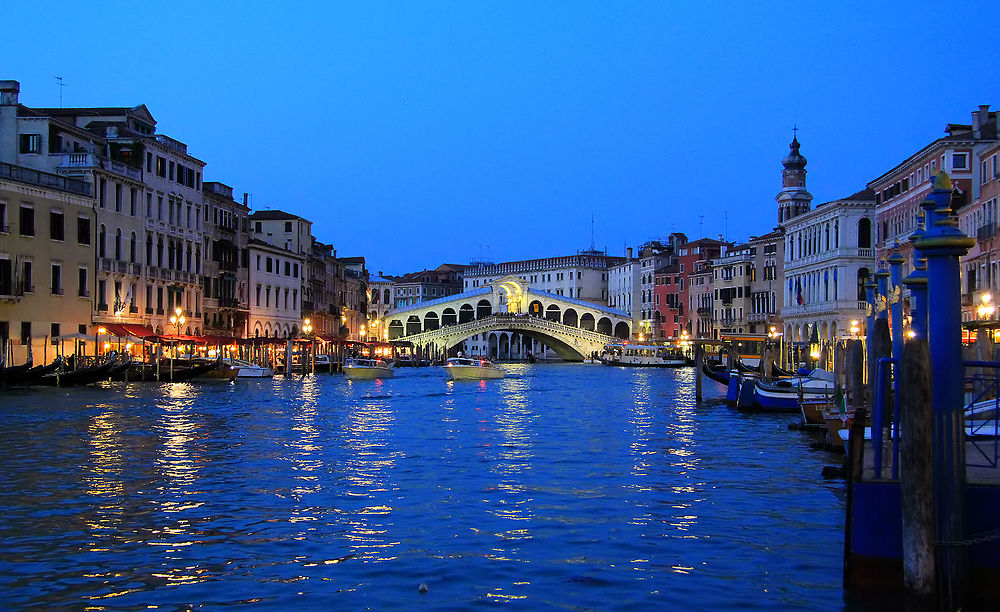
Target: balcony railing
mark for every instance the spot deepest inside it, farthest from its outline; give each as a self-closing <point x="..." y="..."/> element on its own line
<point x="43" y="179"/>
<point x="986" y="232"/>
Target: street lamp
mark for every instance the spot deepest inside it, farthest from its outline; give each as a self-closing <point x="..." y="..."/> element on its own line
<point x="97" y="341"/>
<point x="986" y="309"/>
<point x="177" y="319"/>
<point x="306" y="330"/>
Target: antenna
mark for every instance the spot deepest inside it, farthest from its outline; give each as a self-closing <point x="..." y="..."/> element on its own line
<point x="701" y="221"/>
<point x="592" y="248"/>
<point x="725" y="228"/>
<point x="61" y="85"/>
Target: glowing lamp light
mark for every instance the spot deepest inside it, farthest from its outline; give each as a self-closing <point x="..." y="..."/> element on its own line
<point x="986" y="309"/>
<point x="107" y="345"/>
<point x="101" y="330"/>
<point x="814" y="353"/>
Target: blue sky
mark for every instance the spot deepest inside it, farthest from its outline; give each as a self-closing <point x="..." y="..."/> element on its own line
<point x="416" y="133"/>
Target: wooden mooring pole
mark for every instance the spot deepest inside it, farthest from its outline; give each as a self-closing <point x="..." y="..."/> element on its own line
<point x="916" y="475"/>
<point x="699" y="358"/>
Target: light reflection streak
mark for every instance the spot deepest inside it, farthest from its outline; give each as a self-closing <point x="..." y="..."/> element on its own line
<point x="512" y="501"/>
<point x="667" y="456"/>
<point x="105" y="479"/>
<point x="368" y="471"/>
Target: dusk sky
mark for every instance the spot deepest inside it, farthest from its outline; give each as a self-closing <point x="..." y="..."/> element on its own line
<point x="418" y="133"/>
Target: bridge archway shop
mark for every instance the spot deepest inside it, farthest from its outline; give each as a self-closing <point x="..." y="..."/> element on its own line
<point x="572" y="328"/>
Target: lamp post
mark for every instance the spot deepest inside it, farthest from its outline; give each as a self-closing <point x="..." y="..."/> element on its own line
<point x="306" y="331"/>
<point x="97" y="341"/>
<point x="177" y="319"/>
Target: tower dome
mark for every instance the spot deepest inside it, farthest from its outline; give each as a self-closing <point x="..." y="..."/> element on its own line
<point x="793" y="199"/>
<point x="794" y="160"/>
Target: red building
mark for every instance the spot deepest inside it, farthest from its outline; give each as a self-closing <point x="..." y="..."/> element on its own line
<point x="676" y="311"/>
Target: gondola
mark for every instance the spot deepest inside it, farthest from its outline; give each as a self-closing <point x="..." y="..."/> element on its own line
<point x="73" y="378"/>
<point x="744" y="368"/>
<point x="777" y="371"/>
<point x="183" y="371"/>
<point x="10" y="375"/>
<point x="718" y="373"/>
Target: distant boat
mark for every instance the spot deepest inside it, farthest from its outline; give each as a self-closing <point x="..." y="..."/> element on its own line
<point x="471" y="368"/>
<point x="643" y="355"/>
<point x="367" y="369"/>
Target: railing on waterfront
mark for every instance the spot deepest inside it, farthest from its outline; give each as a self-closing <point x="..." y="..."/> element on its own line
<point x="982" y="398"/>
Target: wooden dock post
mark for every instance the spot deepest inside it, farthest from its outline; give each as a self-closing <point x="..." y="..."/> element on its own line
<point x="699" y="358"/>
<point x="916" y="474"/>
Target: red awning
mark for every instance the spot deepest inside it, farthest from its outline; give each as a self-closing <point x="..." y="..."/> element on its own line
<point x="123" y="330"/>
<point x="219" y="340"/>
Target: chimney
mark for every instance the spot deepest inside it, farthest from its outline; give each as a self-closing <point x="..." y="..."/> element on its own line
<point x="380" y="273"/>
<point x="245" y="196"/>
<point x="9" y="91"/>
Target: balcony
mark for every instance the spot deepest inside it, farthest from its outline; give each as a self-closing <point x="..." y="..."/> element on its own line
<point x="986" y="232"/>
<point x="86" y="161"/>
<point x="43" y="179"/>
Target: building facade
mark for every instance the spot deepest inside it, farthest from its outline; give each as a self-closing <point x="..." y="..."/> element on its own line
<point x="226" y="276"/>
<point x="828" y="257"/>
<point x="46" y="261"/>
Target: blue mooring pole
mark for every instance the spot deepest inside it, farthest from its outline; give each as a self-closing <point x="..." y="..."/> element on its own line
<point x="942" y="244"/>
<point x="895" y="299"/>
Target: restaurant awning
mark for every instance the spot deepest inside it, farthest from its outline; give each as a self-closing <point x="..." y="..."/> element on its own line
<point x="124" y="330"/>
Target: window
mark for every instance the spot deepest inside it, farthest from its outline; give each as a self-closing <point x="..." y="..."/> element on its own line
<point x="25" y="332"/>
<point x="288" y="227"/>
<point x="257" y="227"/>
<point x="149" y="162"/>
<point x="288" y="268"/>
<point x="161" y="167"/>
<point x="56" y="225"/>
<point x="26" y="285"/>
<point x="268" y="264"/>
<point x="56" y="279"/>
<point x="31" y="143"/>
<point x="83" y="230"/>
<point x="3" y="218"/>
<point x="118" y="197"/>
<point x="81" y="282"/>
<point x="170" y="172"/>
<point x="27" y="221"/>
<point x="54" y="332"/>
<point x="960" y="161"/>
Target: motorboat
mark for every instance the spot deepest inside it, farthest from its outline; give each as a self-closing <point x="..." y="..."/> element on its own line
<point x="643" y="355"/>
<point x="248" y="369"/>
<point x="472" y="368"/>
<point x="360" y="368"/>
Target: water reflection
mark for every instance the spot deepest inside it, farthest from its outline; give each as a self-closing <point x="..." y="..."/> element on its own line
<point x="104" y="478"/>
<point x="369" y="470"/>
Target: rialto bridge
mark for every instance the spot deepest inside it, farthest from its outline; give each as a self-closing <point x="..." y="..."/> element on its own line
<point x="572" y="328"/>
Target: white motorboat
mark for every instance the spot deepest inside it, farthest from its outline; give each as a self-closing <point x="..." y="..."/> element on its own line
<point x="367" y="369"/>
<point x="248" y="369"/>
<point x="468" y="368"/>
<point x="643" y="355"/>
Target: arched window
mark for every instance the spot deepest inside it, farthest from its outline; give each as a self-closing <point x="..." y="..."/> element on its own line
<point x="131" y="248"/>
<point x="149" y="249"/>
<point x="101" y="242"/>
<point x="865" y="234"/>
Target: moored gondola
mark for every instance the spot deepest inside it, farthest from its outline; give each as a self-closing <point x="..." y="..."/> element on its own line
<point x="717" y="373"/>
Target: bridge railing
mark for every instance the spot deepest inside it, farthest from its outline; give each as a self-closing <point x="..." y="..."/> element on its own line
<point x="517" y="321"/>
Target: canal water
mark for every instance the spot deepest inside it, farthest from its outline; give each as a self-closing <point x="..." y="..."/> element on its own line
<point x="561" y="486"/>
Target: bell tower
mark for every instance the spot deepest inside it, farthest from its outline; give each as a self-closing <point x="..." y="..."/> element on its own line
<point x="793" y="199"/>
